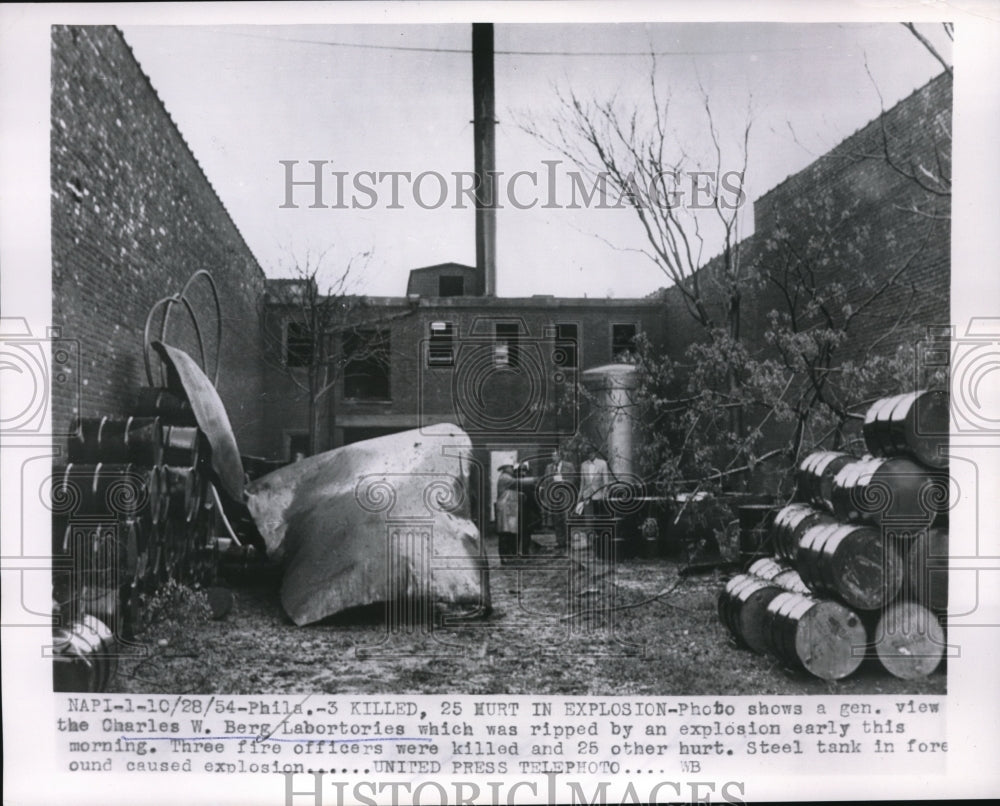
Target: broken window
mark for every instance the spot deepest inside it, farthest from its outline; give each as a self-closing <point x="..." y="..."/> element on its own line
<point x="622" y="340"/>
<point x="366" y="365"/>
<point x="298" y="345"/>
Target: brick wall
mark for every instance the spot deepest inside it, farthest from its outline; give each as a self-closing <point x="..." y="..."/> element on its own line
<point x="892" y="225"/>
<point x="133" y="216"/>
<point x="421" y="394"/>
<point x="881" y="235"/>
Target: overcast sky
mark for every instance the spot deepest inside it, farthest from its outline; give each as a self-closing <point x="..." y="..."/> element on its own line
<point x="247" y="97"/>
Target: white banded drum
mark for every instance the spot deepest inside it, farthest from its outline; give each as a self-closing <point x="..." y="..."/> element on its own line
<point x="852" y="562"/>
<point x="791" y="524"/>
<point x="815" y="476"/>
<point x="926" y="579"/>
<point x="875" y="489"/>
<point x="84" y="657"/>
<point x="909" y="641"/>
<point x="742" y="605"/>
<point x="914" y="424"/>
<point x="776" y="571"/>
<point x="821" y="636"/>
<point x="104" y="439"/>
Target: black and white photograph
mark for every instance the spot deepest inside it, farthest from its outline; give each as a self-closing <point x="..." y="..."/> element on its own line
<point x="402" y="398"/>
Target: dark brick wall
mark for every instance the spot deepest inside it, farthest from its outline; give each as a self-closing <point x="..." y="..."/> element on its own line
<point x="133" y="216"/>
<point x="417" y="389"/>
<point x="855" y="177"/>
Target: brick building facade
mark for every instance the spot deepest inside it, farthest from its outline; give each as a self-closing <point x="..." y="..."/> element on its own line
<point x="133" y="217"/>
<point x="502" y="368"/>
<point x="880" y="214"/>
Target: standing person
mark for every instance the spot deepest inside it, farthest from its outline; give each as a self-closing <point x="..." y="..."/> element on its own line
<point x="560" y="471"/>
<point x="507" y="513"/>
<point x="594" y="480"/>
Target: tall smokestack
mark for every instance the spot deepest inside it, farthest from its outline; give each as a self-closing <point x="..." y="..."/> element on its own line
<point x="485" y="154"/>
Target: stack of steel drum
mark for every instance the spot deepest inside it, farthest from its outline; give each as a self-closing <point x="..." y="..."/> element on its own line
<point x="860" y="558"/>
<point x="132" y="508"/>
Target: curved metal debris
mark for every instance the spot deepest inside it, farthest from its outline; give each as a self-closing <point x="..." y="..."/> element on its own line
<point x="375" y="521"/>
<point x="210" y="412"/>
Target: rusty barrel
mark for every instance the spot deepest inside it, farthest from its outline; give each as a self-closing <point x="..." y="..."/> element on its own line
<point x="875" y="489"/>
<point x="790" y="524"/>
<point x="84" y="656"/>
<point x="159" y="495"/>
<point x="184" y="492"/>
<point x="178" y="547"/>
<point x="137" y="558"/>
<point x="181" y="446"/>
<point x="909" y="640"/>
<point x="158" y="402"/>
<point x="112" y="490"/>
<point x="781" y="574"/>
<point x="814" y="480"/>
<point x="914" y="424"/>
<point x="105" y="439"/>
<point x="742" y="605"/>
<point x="156" y="561"/>
<point x="135" y="541"/>
<point x="852" y="562"/>
<point x="122" y="489"/>
<point x="926" y="577"/>
<point x="820" y="635"/>
<point x="94" y="558"/>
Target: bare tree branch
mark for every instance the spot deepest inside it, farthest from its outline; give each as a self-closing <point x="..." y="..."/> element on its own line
<point x="923" y="40"/>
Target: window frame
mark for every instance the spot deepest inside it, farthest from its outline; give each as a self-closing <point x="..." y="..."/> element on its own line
<point x="385" y="339"/>
<point x="432" y="361"/>
<point x="635" y="334"/>
<point x="307" y="358"/>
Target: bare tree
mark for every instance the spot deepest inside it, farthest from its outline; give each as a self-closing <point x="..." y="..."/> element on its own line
<point x="949" y="31"/>
<point x="733" y="401"/>
<point x="930" y="174"/>
<point x="315" y="333"/>
<point x="635" y="154"/>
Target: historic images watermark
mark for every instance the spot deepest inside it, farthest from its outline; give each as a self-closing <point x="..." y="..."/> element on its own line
<point x="547" y="188"/>
<point x="332" y="790"/>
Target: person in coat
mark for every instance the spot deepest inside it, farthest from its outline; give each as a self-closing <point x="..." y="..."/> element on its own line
<point x="558" y="493"/>
<point x="508" y="513"/>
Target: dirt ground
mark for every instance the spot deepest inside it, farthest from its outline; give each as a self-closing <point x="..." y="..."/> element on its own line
<point x="550" y="632"/>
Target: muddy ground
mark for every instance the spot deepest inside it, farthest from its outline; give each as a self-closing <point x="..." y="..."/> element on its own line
<point x="550" y="632"/>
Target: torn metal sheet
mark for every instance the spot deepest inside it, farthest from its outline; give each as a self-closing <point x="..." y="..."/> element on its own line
<point x="372" y="522"/>
<point x="211" y="415"/>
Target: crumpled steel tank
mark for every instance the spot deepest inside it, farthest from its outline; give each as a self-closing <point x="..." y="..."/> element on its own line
<point x="382" y="520"/>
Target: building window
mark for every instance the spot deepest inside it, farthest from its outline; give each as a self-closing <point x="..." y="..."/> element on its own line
<point x="298" y="445"/>
<point x="298" y="345"/>
<point x="441" y="347"/>
<point x="622" y="340"/>
<point x="506" y="350"/>
<point x="450" y="285"/>
<point x="366" y="366"/>
<point x="566" y="347"/>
